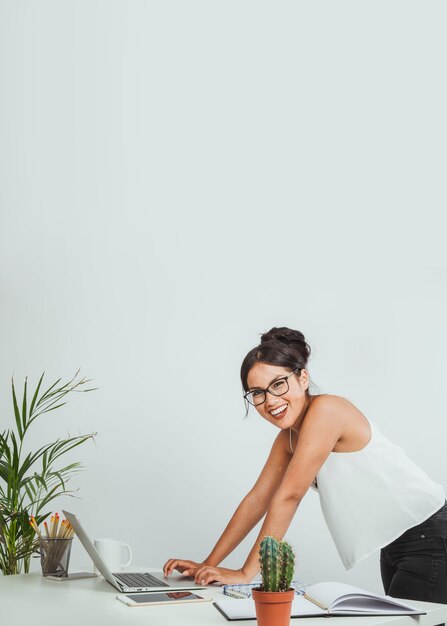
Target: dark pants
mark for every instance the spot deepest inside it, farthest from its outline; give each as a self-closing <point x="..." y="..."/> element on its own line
<point x="414" y="566"/>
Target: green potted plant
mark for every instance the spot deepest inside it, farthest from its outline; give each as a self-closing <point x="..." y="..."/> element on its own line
<point x="29" y="481"/>
<point x="273" y="598"/>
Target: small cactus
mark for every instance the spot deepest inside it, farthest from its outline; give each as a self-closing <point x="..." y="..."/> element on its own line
<point x="277" y="561"/>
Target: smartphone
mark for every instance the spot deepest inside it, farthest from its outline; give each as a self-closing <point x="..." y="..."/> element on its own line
<point x="170" y="597"/>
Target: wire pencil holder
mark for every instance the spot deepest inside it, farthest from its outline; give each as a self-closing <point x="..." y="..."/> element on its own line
<point x="55" y="556"/>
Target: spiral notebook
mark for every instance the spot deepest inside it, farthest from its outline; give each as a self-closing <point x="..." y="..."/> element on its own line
<point x="244" y="591"/>
<point x="323" y="599"/>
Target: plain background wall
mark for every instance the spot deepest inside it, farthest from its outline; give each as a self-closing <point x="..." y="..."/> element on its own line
<point x="177" y="178"/>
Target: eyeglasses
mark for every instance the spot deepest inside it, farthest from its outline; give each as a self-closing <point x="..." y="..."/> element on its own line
<point x="278" y="387"/>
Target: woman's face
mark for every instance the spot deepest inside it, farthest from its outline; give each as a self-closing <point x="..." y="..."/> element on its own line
<point x="291" y="403"/>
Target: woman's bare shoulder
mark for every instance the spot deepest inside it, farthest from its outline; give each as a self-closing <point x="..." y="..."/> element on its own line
<point x="355" y="425"/>
<point x="330" y="406"/>
<point x="332" y="400"/>
<point x="339" y="408"/>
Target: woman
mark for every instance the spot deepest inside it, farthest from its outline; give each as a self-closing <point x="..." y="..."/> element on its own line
<point x="371" y="494"/>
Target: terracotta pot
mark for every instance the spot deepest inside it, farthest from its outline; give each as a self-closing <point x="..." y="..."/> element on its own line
<point x="273" y="607"/>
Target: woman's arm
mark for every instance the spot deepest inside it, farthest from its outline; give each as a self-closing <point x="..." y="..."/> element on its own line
<point x="252" y="508"/>
<point x="321" y="430"/>
<point x="255" y="504"/>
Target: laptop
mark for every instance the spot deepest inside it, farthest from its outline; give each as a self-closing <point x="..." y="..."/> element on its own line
<point x="128" y="582"/>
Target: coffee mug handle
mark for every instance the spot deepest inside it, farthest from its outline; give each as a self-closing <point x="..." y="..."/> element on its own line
<point x="128" y="562"/>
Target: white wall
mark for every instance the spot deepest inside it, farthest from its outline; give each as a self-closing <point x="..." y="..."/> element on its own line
<point x="178" y="177"/>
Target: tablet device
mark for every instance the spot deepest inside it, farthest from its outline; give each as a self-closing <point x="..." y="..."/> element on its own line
<point x="152" y="598"/>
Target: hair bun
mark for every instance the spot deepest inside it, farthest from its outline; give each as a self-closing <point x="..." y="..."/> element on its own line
<point x="285" y="335"/>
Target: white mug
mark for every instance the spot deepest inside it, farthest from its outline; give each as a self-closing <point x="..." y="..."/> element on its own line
<point x="111" y="552"/>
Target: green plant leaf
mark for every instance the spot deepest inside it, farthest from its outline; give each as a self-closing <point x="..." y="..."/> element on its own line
<point x="5" y="446"/>
<point x="68" y="444"/>
<point x="44" y="461"/>
<point x="50" y="495"/>
<point x="45" y="393"/>
<point x="30" y="490"/>
<point x="24" y="404"/>
<point x="39" y="479"/>
<point x="36" y="393"/>
<point x="53" y="408"/>
<point x="14" y="464"/>
<point x="31" y="459"/>
<point x="16" y="411"/>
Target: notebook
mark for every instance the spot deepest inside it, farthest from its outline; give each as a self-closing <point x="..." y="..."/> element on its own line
<point x="128" y="582"/>
<point x="244" y="591"/>
<point x="324" y="599"/>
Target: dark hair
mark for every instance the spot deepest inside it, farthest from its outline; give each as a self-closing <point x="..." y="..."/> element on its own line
<point x="279" y="346"/>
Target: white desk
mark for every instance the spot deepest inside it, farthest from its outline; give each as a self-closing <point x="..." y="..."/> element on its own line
<point x="31" y="599"/>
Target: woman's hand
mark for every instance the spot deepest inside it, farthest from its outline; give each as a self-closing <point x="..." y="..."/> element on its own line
<point x="206" y="575"/>
<point x="184" y="567"/>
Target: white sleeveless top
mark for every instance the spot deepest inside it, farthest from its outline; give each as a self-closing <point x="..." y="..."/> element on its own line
<point x="372" y="496"/>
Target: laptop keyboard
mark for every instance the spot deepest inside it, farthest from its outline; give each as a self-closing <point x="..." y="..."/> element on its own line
<point x="140" y="580"/>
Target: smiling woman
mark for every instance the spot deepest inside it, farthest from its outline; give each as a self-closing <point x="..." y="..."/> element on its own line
<point x="371" y="494"/>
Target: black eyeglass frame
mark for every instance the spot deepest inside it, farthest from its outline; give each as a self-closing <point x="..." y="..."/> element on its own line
<point x="267" y="389"/>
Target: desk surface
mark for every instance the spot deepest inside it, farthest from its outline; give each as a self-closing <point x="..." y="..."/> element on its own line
<point x="35" y="600"/>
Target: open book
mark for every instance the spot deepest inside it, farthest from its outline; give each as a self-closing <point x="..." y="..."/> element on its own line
<point x="324" y="599"/>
